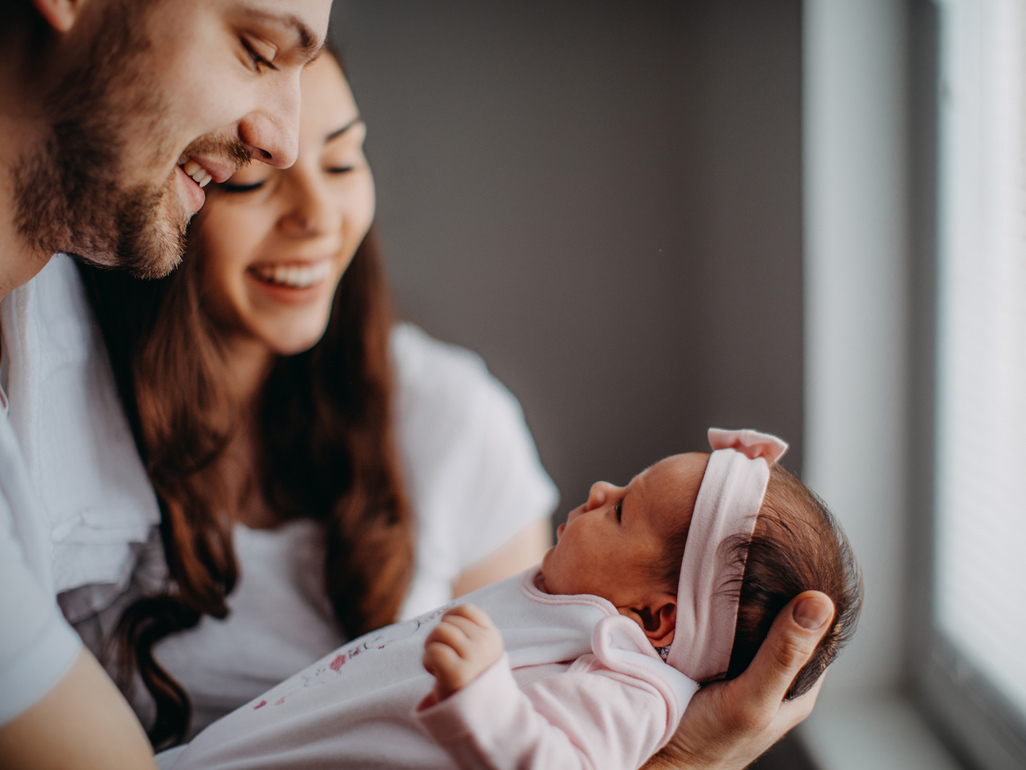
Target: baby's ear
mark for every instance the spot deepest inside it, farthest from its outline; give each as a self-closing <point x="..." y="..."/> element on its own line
<point x="657" y="618"/>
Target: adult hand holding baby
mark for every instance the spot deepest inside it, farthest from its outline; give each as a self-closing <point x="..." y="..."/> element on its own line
<point x="728" y="724"/>
<point x="460" y="648"/>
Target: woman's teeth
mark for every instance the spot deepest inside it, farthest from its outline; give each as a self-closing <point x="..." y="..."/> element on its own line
<point x="196" y="171"/>
<point x="293" y="276"/>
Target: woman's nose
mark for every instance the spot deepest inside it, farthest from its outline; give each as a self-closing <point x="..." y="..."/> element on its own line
<point x="311" y="212"/>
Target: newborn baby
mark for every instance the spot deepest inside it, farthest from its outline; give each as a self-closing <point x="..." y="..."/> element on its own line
<point x="588" y="660"/>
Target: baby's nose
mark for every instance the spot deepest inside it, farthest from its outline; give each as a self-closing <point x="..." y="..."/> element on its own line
<point x="598" y="495"/>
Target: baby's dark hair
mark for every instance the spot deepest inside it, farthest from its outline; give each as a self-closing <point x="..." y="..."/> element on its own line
<point x="797" y="546"/>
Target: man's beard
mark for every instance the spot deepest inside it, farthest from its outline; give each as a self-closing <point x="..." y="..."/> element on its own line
<point x="69" y="195"/>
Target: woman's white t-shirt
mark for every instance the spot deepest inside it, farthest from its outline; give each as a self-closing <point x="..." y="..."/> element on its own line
<point x="474" y="481"/>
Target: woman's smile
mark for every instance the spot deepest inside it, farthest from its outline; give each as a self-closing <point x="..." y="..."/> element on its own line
<point x="292" y="275"/>
<point x="294" y="283"/>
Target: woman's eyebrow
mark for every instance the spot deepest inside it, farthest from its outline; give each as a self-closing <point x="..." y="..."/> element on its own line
<point x="338" y="132"/>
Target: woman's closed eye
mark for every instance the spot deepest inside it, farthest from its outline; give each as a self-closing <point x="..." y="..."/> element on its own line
<point x="343" y="159"/>
<point x="236" y="187"/>
<point x="249" y="178"/>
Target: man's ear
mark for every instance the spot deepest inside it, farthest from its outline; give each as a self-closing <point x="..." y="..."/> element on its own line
<point x="60" y="14"/>
<point x="657" y="618"/>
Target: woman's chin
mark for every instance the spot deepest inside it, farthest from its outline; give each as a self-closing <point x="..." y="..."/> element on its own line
<point x="297" y="342"/>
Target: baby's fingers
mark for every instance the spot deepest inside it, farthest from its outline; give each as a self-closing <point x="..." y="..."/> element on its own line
<point x="468" y="613"/>
<point x="473" y="622"/>
<point x="450" y="635"/>
<point x="466" y="624"/>
<point x="439" y="658"/>
<point x="462" y="646"/>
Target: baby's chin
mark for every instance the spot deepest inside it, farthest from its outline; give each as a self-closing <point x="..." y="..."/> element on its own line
<point x="539" y="580"/>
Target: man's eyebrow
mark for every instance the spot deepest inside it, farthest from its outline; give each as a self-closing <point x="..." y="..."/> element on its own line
<point x="309" y="45"/>
<point x="338" y="132"/>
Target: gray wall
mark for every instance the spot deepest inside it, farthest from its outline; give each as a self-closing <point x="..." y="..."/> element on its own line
<point x="604" y="200"/>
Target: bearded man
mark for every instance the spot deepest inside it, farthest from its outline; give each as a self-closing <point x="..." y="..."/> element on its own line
<point x="114" y="115"/>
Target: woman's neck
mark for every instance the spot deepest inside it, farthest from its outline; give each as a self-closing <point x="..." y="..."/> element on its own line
<point x="239" y="467"/>
<point x="249" y="366"/>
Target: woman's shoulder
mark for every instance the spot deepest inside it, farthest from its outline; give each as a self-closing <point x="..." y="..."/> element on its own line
<point x="423" y="360"/>
<point x="447" y="384"/>
<point x="462" y="435"/>
<point x="470" y="464"/>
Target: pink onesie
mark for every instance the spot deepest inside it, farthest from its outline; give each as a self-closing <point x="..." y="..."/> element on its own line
<point x="579" y="686"/>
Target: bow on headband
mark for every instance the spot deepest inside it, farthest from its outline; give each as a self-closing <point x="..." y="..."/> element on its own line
<point x="727" y="505"/>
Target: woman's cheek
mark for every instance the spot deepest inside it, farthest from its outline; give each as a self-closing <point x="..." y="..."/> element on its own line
<point x="367" y="208"/>
<point x="371" y="199"/>
<point x="230" y="245"/>
<point x="358" y="212"/>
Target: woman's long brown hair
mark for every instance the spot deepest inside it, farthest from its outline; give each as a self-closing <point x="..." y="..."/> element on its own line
<point x="327" y="452"/>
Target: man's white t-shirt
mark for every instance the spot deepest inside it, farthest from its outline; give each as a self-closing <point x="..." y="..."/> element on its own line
<point x="37" y="647"/>
<point x="76" y="505"/>
<point x="472" y="473"/>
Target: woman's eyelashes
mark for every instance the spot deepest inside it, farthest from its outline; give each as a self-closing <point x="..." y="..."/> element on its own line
<point x="232" y="187"/>
<point x="342" y="160"/>
<point x="245" y="187"/>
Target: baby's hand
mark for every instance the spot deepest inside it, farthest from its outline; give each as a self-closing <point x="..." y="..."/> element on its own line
<point x="460" y="648"/>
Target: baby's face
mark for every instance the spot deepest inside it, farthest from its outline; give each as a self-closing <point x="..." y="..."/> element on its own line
<point x="608" y="545"/>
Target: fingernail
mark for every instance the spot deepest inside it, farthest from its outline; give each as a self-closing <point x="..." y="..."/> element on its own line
<point x="811" y="614"/>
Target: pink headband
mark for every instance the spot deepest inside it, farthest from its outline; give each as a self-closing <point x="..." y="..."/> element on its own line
<point x="727" y="506"/>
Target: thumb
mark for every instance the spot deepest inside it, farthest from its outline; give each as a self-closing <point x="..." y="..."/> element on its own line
<point x="788" y="646"/>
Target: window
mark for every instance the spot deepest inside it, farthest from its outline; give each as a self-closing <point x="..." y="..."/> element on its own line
<point x="974" y="678"/>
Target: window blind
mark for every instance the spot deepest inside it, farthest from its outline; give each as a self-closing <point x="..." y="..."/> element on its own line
<point x="979" y="599"/>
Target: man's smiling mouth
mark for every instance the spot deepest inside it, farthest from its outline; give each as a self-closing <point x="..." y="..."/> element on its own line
<point x="203" y="167"/>
<point x="196" y="172"/>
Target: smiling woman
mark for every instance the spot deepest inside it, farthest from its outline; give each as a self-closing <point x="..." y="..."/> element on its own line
<point x="321" y="472"/>
<point x="283" y="240"/>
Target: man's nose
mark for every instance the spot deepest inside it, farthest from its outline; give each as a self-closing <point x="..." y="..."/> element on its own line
<point x="271" y="133"/>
